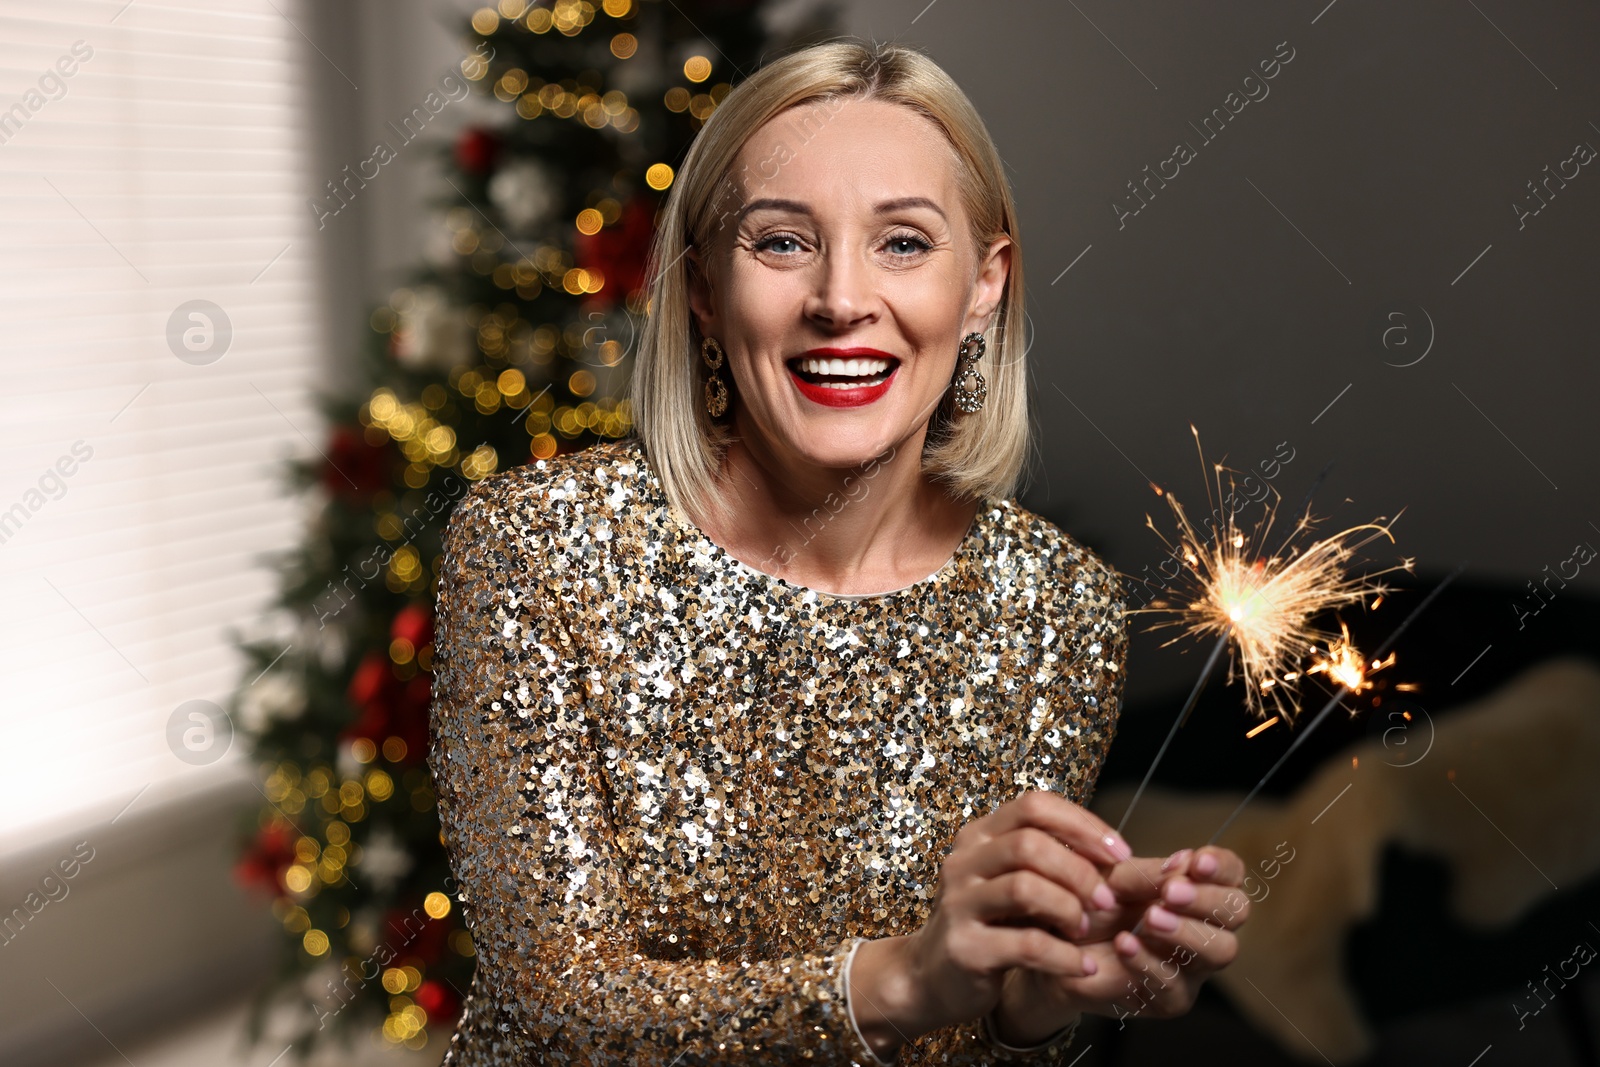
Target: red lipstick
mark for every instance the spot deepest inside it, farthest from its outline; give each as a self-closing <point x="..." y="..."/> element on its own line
<point x="838" y="390"/>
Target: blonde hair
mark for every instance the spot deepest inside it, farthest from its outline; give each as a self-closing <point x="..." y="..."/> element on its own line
<point x="977" y="454"/>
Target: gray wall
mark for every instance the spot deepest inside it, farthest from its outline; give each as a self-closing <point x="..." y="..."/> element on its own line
<point x="1254" y="289"/>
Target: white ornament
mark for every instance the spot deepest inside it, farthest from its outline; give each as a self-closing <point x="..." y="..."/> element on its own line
<point x="275" y="695"/>
<point x="324" y="633"/>
<point x="346" y="763"/>
<point x="384" y="860"/>
<point x="524" y="192"/>
<point x="433" y="334"/>
<point x="321" y="983"/>
<point x="439" y="241"/>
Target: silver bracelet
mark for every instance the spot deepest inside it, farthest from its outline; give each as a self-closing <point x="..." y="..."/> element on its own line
<point x="849" y="1008"/>
<point x="1062" y="1036"/>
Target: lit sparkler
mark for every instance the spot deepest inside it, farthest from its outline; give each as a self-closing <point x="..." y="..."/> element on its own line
<point x="1343" y="663"/>
<point x="1262" y="603"/>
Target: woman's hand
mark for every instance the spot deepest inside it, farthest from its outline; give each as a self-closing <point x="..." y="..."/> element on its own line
<point x="1017" y="886"/>
<point x="1185" y="910"/>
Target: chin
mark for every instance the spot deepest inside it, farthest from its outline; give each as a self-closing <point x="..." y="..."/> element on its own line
<point x="841" y="449"/>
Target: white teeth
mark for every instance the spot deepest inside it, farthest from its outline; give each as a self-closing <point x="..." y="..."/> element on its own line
<point x="845" y="368"/>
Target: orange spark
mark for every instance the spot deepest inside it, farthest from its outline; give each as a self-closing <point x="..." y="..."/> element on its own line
<point x="1263" y="726"/>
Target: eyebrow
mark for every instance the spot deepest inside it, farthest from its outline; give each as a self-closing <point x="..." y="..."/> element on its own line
<point x="911" y="201"/>
<point x="769" y="203"/>
<point x="778" y="204"/>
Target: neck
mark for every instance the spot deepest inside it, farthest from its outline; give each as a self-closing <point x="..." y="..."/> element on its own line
<point x="876" y="526"/>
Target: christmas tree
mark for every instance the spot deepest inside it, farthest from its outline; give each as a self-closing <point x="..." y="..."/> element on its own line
<point x="513" y="343"/>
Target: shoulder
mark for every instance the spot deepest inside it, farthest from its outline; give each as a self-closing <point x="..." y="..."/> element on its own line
<point x="551" y="493"/>
<point x="553" y="520"/>
<point x="1029" y="552"/>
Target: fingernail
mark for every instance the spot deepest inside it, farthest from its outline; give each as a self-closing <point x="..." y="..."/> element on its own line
<point x="1175" y="859"/>
<point x="1119" y="848"/>
<point x="1103" y="897"/>
<point x="1180" y="892"/>
<point x="1206" y="865"/>
<point x="1089" y="965"/>
<point x="1127" y="944"/>
<point x="1083" y="925"/>
<point x="1162" y="919"/>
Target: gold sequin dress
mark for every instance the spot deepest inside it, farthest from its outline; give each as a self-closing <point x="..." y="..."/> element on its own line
<point x="675" y="790"/>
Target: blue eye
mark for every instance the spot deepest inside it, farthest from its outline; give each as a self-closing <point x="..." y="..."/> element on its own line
<point x="767" y="242"/>
<point x="919" y="245"/>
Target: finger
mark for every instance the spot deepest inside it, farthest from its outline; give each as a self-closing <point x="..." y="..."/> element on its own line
<point x="1028" y="898"/>
<point x="1103" y="925"/>
<point x="1219" y="866"/>
<point x="1108" y="983"/>
<point x="1030" y="848"/>
<point x="1165" y="982"/>
<point x="1228" y="906"/>
<point x="1028" y="946"/>
<point x="1195" y="944"/>
<point x="1068" y="823"/>
<point x="1138" y="879"/>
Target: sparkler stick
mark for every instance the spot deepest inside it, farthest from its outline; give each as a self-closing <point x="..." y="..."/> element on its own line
<point x="1194" y="694"/>
<point x="1333" y="701"/>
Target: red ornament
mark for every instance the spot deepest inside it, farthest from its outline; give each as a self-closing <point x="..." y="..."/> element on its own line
<point x="411" y="932"/>
<point x="355" y="469"/>
<point x="269" y="855"/>
<point x="437" y="1000"/>
<point x="619" y="251"/>
<point x="411" y="719"/>
<point x="373" y="681"/>
<point x="478" y="150"/>
<point x="387" y="707"/>
<point x="414" y="623"/>
<point x="373" y="693"/>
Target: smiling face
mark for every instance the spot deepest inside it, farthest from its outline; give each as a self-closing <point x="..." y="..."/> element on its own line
<point x="842" y="282"/>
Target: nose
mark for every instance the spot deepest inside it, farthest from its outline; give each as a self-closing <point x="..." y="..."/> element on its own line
<point x="844" y="296"/>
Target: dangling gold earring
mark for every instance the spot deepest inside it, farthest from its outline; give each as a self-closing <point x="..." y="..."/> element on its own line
<point x="716" y="389"/>
<point x="970" y="398"/>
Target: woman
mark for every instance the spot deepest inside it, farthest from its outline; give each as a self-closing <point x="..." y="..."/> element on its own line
<point x="764" y="738"/>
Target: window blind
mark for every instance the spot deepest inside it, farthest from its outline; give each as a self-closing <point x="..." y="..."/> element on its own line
<point x="158" y="333"/>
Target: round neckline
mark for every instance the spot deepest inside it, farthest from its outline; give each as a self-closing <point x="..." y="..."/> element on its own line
<point x="693" y="531"/>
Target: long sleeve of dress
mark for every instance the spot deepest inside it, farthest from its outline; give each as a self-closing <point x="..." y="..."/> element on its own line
<point x="1075" y="717"/>
<point x="529" y="838"/>
<point x="1070" y="723"/>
